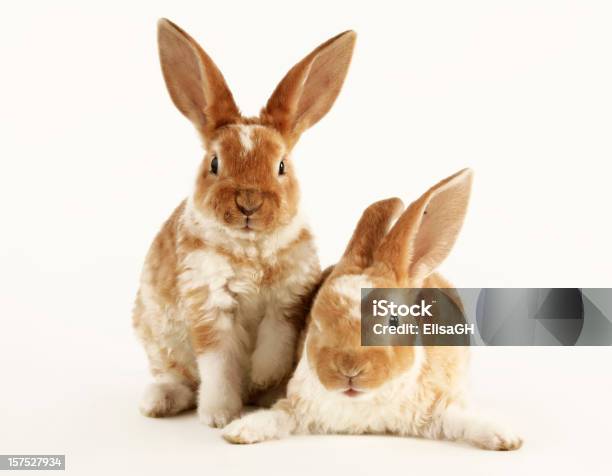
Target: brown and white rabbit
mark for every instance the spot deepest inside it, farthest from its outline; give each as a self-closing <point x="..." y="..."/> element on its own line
<point x="220" y="303"/>
<point x="340" y="386"/>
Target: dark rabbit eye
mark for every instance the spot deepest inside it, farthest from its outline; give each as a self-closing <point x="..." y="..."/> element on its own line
<point x="281" y="168"/>
<point x="214" y="165"/>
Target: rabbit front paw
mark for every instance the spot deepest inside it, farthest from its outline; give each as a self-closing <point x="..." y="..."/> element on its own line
<point x="217" y="414"/>
<point x="499" y="439"/>
<point x="166" y="398"/>
<point x="260" y="426"/>
<point x="217" y="418"/>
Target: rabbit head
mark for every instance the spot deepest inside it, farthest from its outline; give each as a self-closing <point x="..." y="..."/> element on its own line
<point x="376" y="257"/>
<point x="246" y="180"/>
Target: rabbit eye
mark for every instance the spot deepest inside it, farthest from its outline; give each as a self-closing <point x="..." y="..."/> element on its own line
<point x="281" y="168"/>
<point x="214" y="165"/>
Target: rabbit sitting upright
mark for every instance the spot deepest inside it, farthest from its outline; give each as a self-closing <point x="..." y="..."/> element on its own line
<point x="340" y="386"/>
<point x="223" y="289"/>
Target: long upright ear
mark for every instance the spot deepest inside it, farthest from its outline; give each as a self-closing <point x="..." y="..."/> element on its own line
<point x="310" y="88"/>
<point x="194" y="82"/>
<point x="371" y="229"/>
<point x="426" y="232"/>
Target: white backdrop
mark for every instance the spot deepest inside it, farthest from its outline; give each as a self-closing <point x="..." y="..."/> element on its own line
<point x="94" y="157"/>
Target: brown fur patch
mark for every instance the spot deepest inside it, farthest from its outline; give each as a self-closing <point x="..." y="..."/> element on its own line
<point x="204" y="337"/>
<point x="242" y="171"/>
<point x="162" y="259"/>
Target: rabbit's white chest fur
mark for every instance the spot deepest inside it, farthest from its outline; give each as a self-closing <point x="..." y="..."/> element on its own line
<point x="226" y="288"/>
<point x="248" y="281"/>
<point x="238" y="292"/>
<point x="241" y="290"/>
<point x="392" y="408"/>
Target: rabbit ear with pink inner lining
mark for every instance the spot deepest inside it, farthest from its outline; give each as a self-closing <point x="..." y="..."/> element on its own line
<point x="426" y="232"/>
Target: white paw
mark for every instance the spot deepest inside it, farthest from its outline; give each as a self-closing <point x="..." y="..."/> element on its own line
<point x="165" y="399"/>
<point x="217" y="414"/>
<point x="492" y="436"/>
<point x="217" y="418"/>
<point x="259" y="426"/>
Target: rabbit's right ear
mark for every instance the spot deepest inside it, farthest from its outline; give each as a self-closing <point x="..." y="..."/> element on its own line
<point x="194" y="82"/>
<point x="426" y="232"/>
<point x="371" y="229"/>
<point x="309" y="89"/>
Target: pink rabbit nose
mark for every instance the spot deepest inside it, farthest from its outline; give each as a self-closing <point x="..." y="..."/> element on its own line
<point x="248" y="201"/>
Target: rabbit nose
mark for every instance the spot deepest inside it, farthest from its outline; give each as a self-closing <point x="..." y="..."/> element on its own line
<point x="248" y="211"/>
<point x="348" y="365"/>
<point x="248" y="201"/>
<point x="352" y="373"/>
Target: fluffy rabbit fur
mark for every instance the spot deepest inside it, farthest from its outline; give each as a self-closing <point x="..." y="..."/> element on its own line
<point x="340" y="386"/>
<point x="223" y="290"/>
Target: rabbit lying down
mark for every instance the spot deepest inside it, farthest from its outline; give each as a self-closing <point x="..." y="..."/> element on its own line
<point x="340" y="386"/>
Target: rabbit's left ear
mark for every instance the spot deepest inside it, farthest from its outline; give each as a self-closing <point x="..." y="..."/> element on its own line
<point x="426" y="232"/>
<point x="310" y="88"/>
<point x="369" y="232"/>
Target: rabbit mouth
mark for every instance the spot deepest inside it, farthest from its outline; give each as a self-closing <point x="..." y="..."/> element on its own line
<point x="248" y="224"/>
<point x="351" y="392"/>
